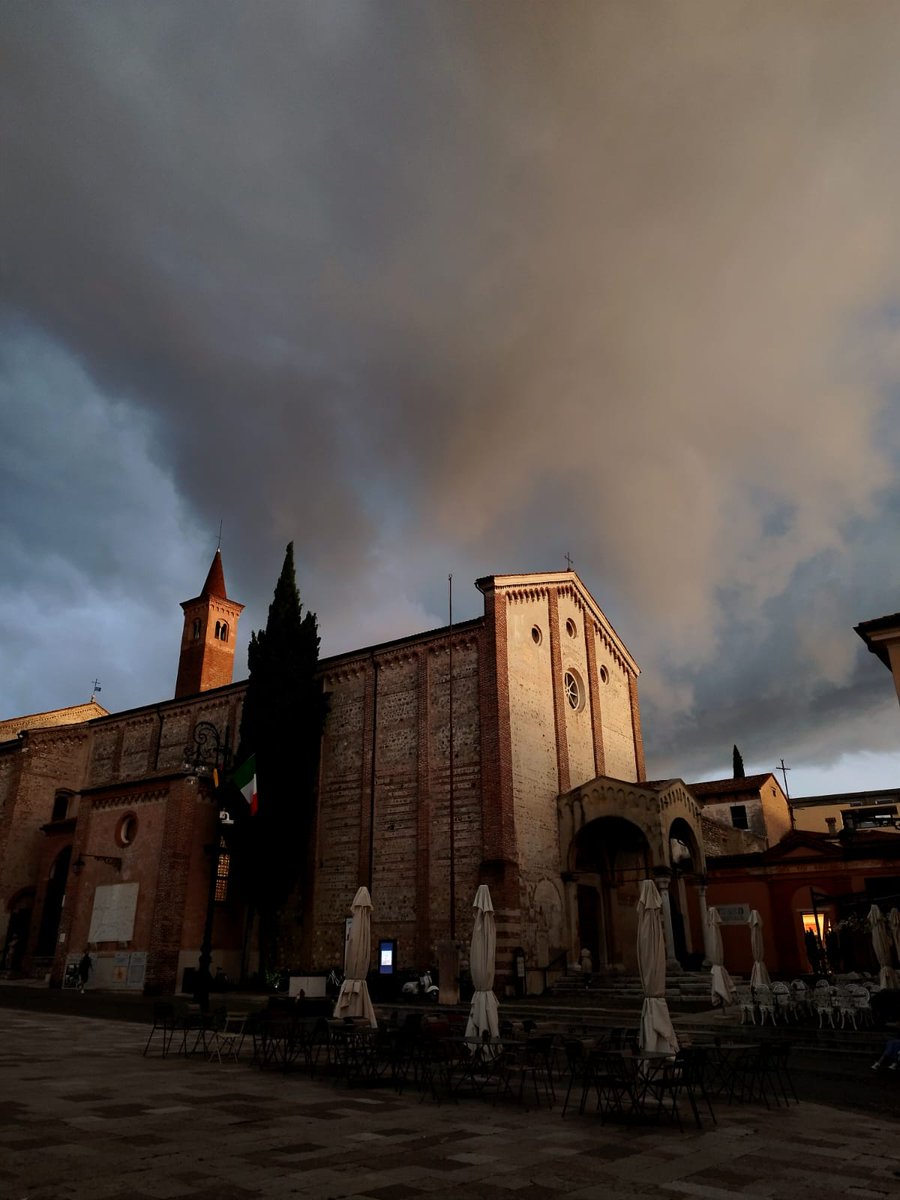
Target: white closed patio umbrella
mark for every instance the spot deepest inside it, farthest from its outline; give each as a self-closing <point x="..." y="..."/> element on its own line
<point x="894" y="924"/>
<point x="759" y="976"/>
<point x="881" y="944"/>
<point x="722" y="986"/>
<point x="353" y="999"/>
<point x="656" y="1024"/>
<point x="483" y="1016"/>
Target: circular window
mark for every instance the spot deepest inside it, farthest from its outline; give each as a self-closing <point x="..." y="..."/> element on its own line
<point x="571" y="628"/>
<point x="536" y="636"/>
<point x="126" y="830"/>
<point x="574" y="690"/>
<point x="604" y="675"/>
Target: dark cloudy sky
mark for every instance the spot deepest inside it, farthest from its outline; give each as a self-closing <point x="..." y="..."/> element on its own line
<point x="448" y="287"/>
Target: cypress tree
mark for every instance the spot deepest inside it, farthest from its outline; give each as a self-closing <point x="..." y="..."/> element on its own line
<point x="282" y="722"/>
<point x="737" y="764"/>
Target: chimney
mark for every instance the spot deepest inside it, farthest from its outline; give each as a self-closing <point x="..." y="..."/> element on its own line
<point x="831" y="822"/>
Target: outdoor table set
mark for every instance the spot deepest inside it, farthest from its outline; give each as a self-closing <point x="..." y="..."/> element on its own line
<point x="645" y="1086"/>
<point x="185" y="1022"/>
<point x="609" y="1075"/>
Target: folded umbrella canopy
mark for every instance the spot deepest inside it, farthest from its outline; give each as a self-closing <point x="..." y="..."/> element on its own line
<point x="722" y="987"/>
<point x="894" y="923"/>
<point x="656" y="1024"/>
<point x="759" y="976"/>
<point x="483" y="1016"/>
<point x="881" y="943"/>
<point x="353" y="999"/>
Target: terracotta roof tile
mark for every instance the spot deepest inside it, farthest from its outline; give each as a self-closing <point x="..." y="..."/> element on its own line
<point x="715" y="787"/>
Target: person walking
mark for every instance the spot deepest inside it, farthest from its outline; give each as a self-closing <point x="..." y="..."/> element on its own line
<point x="890" y="1056"/>
<point x="85" y="966"/>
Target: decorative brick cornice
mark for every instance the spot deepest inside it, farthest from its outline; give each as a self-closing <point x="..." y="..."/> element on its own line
<point x="345" y="674"/>
<point x="130" y="800"/>
<point x="523" y="595"/>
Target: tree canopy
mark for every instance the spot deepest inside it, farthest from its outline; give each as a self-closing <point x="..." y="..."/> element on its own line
<point x="282" y="722"/>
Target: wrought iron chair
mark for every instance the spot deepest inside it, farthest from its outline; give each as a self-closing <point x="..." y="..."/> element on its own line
<point x="747" y="1005"/>
<point x="685" y="1076"/>
<point x="785" y="1005"/>
<point x="765" y="1004"/>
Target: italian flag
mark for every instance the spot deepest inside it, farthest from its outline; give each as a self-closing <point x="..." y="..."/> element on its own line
<point x="244" y="780"/>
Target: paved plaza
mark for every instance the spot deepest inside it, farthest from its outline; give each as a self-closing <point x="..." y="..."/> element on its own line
<point x="83" y="1114"/>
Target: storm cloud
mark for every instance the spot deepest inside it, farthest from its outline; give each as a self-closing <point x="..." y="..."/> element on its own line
<point x="460" y="288"/>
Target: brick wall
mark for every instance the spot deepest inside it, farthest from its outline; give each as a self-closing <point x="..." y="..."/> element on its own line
<point x="42" y="763"/>
<point x="385" y="794"/>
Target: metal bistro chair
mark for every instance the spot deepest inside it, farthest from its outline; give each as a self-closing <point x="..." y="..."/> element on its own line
<point x="228" y="1038"/>
<point x="777" y="1057"/>
<point x="530" y="1059"/>
<point x="685" y="1076"/>
<point x="762" y="1072"/>
<point x="168" y="1018"/>
<point x="581" y="1073"/>
<point x="198" y="1029"/>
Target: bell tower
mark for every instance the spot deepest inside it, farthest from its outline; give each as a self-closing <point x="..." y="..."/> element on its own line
<point x="209" y="636"/>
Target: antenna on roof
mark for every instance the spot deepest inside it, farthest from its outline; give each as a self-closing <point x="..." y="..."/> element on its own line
<point x="784" y="770"/>
<point x="95" y="688"/>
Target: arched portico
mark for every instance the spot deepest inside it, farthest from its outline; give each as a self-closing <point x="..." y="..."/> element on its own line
<point x="613" y="834"/>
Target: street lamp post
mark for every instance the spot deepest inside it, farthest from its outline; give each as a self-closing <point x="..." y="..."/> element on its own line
<point x="209" y="754"/>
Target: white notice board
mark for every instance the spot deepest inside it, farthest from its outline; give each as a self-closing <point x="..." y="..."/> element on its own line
<point x="112" y="919"/>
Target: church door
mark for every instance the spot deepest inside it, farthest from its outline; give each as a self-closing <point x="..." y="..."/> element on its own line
<point x="589" y="923"/>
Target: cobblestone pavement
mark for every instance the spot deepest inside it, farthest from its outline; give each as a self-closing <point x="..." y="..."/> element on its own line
<point x="83" y="1114"/>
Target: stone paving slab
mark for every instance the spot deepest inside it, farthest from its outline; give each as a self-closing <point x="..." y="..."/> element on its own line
<point x="84" y="1115"/>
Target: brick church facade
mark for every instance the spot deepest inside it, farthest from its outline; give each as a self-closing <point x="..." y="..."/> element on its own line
<point x="504" y="750"/>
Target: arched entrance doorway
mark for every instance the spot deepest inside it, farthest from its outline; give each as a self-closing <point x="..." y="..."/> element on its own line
<point x="54" y="894"/>
<point x="612" y="835"/>
<point x="611" y="857"/>
<point x="16" y="942"/>
<point x="687" y="920"/>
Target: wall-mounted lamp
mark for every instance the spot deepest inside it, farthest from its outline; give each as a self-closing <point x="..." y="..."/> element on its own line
<point x="79" y="864"/>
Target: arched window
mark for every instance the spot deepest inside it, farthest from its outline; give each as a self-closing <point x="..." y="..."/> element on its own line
<point x="196" y="629"/>
<point x="224" y="633"/>
<point x="218" y="630"/>
<point x="60" y="806"/>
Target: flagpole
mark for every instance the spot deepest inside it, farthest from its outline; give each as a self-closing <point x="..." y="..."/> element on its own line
<point x="451" y="796"/>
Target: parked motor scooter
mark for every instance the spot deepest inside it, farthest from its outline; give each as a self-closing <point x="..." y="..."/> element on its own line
<point x="421" y="985"/>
